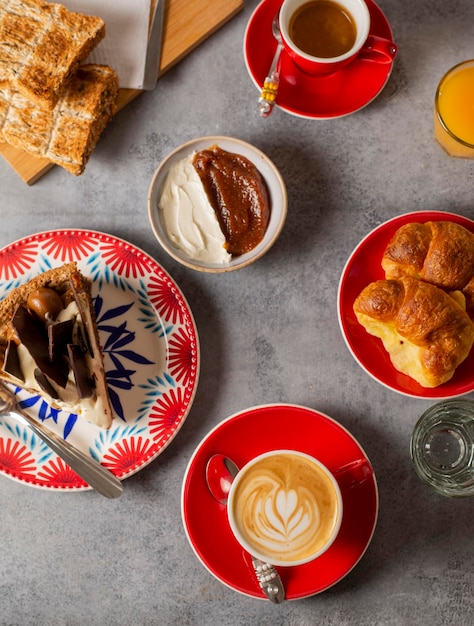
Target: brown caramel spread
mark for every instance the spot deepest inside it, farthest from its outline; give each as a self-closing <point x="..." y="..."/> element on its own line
<point x="238" y="195"/>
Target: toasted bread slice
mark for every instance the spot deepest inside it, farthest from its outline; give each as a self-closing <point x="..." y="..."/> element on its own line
<point x="67" y="134"/>
<point x="41" y="45"/>
<point x="49" y="343"/>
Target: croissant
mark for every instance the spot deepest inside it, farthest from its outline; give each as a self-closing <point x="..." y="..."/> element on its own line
<point x="440" y="253"/>
<point x="425" y="331"/>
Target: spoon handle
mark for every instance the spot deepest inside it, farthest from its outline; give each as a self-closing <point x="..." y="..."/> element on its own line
<point x="269" y="581"/>
<point x="95" y="474"/>
<point x="270" y="86"/>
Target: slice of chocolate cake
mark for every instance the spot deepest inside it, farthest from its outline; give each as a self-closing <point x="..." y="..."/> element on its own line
<point x="49" y="343"/>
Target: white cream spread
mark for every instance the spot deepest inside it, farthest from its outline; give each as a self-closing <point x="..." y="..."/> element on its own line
<point x="92" y="409"/>
<point x="189" y="219"/>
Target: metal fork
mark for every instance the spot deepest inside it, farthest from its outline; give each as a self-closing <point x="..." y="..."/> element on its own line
<point x="95" y="474"/>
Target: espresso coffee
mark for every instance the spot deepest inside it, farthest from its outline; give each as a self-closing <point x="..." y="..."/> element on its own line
<point x="323" y="28"/>
<point x="285" y="507"/>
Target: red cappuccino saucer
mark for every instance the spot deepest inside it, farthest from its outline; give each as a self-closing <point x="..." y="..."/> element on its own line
<point x="317" y="97"/>
<point x="244" y="436"/>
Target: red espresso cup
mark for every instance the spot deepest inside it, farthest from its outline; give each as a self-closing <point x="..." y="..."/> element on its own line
<point x="322" y="36"/>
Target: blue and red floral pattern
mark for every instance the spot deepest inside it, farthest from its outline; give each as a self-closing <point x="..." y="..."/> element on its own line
<point x="151" y="355"/>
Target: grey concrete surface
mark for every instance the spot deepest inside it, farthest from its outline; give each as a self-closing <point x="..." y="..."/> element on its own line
<point x="269" y="333"/>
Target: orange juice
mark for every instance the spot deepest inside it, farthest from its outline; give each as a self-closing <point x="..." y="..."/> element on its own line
<point x="454" y="111"/>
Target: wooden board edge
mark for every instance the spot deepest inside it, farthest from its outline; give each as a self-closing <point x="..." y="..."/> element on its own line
<point x="169" y="58"/>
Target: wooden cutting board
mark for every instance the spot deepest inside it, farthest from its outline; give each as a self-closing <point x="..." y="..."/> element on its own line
<point x="187" y="23"/>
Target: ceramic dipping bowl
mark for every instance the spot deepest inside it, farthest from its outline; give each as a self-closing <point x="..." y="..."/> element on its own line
<point x="276" y="189"/>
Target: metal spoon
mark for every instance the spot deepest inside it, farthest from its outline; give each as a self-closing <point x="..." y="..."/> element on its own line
<point x="95" y="474"/>
<point x="220" y="472"/>
<point x="272" y="81"/>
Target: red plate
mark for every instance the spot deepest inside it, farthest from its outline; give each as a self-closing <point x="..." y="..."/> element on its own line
<point x="336" y="95"/>
<point x="242" y="437"/>
<point x="363" y="267"/>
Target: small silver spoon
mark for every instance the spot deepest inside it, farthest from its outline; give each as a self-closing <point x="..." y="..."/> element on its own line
<point x="220" y="472"/>
<point x="95" y="474"/>
<point x="272" y="81"/>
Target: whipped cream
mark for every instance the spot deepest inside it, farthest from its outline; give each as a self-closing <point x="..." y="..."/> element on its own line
<point x="188" y="217"/>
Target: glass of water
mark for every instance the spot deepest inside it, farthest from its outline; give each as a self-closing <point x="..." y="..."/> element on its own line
<point x="442" y="447"/>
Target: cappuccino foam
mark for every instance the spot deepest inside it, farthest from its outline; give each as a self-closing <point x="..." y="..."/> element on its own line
<point x="285" y="507"/>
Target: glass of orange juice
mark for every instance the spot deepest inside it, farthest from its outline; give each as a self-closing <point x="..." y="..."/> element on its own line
<point x="454" y="111"/>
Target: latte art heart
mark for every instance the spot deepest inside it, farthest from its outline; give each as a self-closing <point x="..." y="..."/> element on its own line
<point x="285" y="507"/>
<point x="284" y="521"/>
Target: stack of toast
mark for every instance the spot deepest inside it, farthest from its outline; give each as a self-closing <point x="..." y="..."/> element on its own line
<point x="51" y="106"/>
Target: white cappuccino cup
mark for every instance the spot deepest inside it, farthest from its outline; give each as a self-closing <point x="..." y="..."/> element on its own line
<point x="285" y="508"/>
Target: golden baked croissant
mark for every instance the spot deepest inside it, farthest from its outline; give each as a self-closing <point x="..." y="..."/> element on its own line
<point x="440" y="253"/>
<point x="425" y="331"/>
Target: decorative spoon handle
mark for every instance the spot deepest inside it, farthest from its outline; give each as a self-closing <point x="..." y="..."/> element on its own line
<point x="269" y="91"/>
<point x="272" y="81"/>
<point x="269" y="580"/>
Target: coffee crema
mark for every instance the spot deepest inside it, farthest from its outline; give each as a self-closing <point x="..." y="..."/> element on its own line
<point x="323" y="29"/>
<point x="285" y="507"/>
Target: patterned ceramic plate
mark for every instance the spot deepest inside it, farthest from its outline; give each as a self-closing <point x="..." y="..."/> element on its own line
<point x="151" y="355"/>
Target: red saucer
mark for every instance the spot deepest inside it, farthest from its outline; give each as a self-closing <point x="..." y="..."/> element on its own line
<point x="244" y="436"/>
<point x="363" y="267"/>
<point x="336" y="95"/>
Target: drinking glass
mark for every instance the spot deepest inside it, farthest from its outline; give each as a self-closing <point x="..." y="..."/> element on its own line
<point x="442" y="447"/>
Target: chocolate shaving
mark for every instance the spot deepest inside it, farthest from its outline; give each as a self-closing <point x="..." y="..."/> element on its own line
<point x="77" y="288"/>
<point x="77" y="357"/>
<point x="44" y="383"/>
<point x="59" y="336"/>
<point x="12" y="363"/>
<point x="34" y="337"/>
<point x="82" y="297"/>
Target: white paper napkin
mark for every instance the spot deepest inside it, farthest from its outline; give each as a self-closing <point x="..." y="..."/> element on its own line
<point x="125" y="44"/>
